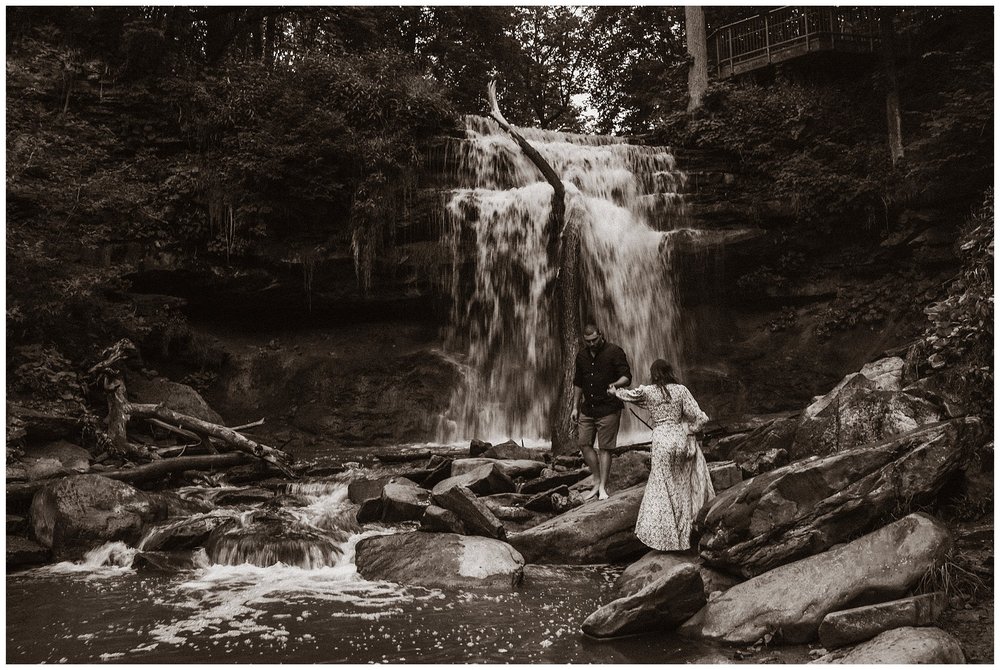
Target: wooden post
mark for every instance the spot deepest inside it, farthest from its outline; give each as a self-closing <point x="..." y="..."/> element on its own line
<point x="767" y="37"/>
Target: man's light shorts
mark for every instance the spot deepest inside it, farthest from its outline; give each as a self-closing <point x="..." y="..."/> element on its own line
<point x="606" y="428"/>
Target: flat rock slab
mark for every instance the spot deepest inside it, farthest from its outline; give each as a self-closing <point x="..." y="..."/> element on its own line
<point x="552" y="479"/>
<point x="475" y="515"/>
<point x="655" y="564"/>
<point x="440" y="560"/>
<point x="484" y="480"/>
<point x="247" y="496"/>
<point x="511" y="450"/>
<point x="905" y="646"/>
<point x="792" y="600"/>
<point x="659" y="606"/>
<point x="511" y="468"/>
<point x="600" y="531"/>
<point x="810" y="505"/>
<point x="863" y="623"/>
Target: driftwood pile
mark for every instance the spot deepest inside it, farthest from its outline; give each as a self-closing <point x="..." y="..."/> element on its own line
<point x="208" y="445"/>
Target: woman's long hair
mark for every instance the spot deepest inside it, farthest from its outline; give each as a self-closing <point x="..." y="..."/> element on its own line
<point x="661" y="373"/>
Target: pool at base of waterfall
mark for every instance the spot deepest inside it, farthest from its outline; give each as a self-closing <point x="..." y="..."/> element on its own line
<point x="281" y="614"/>
<point x="218" y="606"/>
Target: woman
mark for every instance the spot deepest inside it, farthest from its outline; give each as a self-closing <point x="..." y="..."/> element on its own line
<point x="679" y="483"/>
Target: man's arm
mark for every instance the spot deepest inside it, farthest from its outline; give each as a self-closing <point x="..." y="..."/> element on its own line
<point x="622" y="369"/>
<point x="621" y="382"/>
<point x="575" y="412"/>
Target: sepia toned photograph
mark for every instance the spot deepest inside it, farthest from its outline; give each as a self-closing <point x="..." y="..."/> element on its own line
<point x="548" y="334"/>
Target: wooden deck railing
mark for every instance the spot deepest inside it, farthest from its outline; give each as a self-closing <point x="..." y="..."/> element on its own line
<point x="789" y="32"/>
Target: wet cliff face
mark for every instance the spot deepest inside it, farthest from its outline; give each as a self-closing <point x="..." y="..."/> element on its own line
<point x="779" y="317"/>
<point x="772" y="312"/>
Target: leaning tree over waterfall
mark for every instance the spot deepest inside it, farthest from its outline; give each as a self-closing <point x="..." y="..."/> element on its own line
<point x="563" y="249"/>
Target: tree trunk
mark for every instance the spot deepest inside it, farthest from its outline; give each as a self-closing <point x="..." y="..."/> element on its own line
<point x="892" y="109"/>
<point x="568" y="298"/>
<point x="563" y="250"/>
<point x="697" y="47"/>
<point x="269" y="34"/>
<point x="221" y="25"/>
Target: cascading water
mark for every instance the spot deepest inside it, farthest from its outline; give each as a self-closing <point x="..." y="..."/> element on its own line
<point x="625" y="199"/>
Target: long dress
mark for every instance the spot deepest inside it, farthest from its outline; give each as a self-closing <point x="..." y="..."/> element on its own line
<point x="679" y="481"/>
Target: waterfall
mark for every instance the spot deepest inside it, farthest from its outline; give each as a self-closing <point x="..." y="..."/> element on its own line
<point x="503" y="321"/>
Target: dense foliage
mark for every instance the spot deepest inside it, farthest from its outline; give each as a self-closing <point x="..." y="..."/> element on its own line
<point x="226" y="135"/>
<point x="959" y="341"/>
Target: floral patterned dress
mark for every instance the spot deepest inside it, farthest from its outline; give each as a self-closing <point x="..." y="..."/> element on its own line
<point x="679" y="482"/>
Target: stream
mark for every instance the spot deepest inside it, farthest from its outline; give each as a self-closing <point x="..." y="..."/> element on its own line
<point x="102" y="609"/>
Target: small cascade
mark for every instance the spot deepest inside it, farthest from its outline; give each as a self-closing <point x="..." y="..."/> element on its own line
<point x="311" y="537"/>
<point x="625" y="199"/>
<point x="112" y="554"/>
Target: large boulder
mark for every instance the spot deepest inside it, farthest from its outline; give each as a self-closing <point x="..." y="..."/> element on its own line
<point x="178" y="397"/>
<point x="440" y="520"/>
<point x="792" y="600"/>
<point x="484" y="480"/>
<point x="511" y="468"/>
<point x="907" y="646"/>
<point x="659" y="606"/>
<point x="813" y="504"/>
<point x="440" y="560"/>
<point x="865" y="407"/>
<point x="863" y="623"/>
<point x="511" y="450"/>
<point x="402" y="500"/>
<point x="600" y="531"/>
<point x="475" y="515"/>
<point x="46" y="460"/>
<point x="655" y="564"/>
<point x="360" y="490"/>
<point x="78" y="513"/>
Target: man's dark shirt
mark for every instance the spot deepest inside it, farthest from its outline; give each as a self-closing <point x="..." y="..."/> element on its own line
<point x="595" y="373"/>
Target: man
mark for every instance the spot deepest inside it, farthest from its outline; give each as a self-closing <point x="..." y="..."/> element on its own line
<point x="600" y="365"/>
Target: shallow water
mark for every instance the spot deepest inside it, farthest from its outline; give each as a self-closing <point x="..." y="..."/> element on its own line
<point x="279" y="614"/>
<point x="103" y="610"/>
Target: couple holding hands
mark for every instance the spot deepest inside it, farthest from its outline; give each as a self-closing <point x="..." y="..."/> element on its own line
<point x="679" y="482"/>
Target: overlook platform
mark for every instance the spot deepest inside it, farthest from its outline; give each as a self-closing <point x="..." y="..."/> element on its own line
<point x="790" y="32"/>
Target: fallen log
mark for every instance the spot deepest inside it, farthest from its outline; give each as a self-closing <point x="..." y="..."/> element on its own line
<point x="139" y="473"/>
<point x="275" y="457"/>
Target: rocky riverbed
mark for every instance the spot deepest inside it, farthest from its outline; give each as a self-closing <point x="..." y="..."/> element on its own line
<point x="870" y="549"/>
